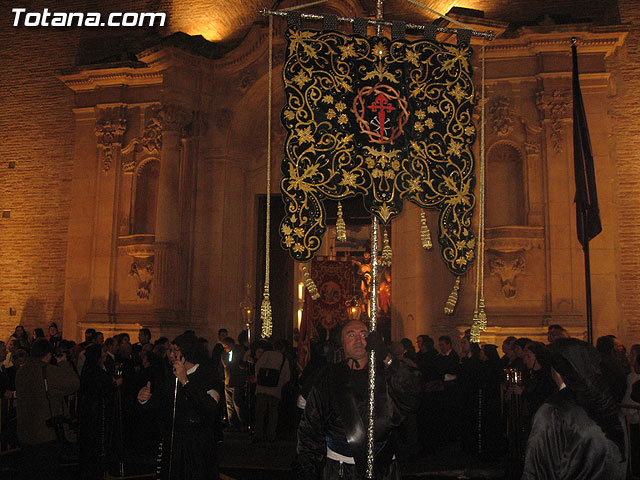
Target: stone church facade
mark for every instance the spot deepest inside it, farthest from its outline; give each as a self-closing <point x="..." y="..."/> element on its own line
<point x="133" y="163"/>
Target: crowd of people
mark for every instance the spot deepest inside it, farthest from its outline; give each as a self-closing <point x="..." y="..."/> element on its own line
<point x="169" y="399"/>
<point x="174" y="399"/>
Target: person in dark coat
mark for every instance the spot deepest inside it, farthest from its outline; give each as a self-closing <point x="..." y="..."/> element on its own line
<point x="615" y="366"/>
<point x="431" y="419"/>
<point x="480" y="383"/>
<point x="536" y="387"/>
<point x="578" y="433"/>
<point x="95" y="408"/>
<point x="41" y="443"/>
<point x="188" y="447"/>
<point x="332" y="434"/>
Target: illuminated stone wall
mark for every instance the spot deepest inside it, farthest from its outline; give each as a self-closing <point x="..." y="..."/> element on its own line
<point x="57" y="246"/>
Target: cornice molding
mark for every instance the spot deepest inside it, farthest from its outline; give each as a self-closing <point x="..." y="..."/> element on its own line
<point x="557" y="39"/>
<point x="88" y="80"/>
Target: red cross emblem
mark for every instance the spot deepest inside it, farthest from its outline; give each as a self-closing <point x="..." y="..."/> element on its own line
<point x="382" y="106"/>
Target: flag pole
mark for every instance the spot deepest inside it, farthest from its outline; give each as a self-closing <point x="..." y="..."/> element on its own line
<point x="587" y="279"/>
<point x="587" y="212"/>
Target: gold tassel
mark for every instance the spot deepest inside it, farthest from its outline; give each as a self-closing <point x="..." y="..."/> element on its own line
<point x="453" y="298"/>
<point x="482" y="317"/>
<point x="479" y="323"/>
<point x="341" y="228"/>
<point x="475" y="328"/>
<point x="311" y="286"/>
<point x="387" y="254"/>
<point x="265" y="313"/>
<point x="425" y="234"/>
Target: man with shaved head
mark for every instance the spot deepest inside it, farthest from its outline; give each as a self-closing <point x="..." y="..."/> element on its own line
<point x="332" y="436"/>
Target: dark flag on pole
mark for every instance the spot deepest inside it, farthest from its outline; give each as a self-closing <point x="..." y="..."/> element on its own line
<point x="587" y="211"/>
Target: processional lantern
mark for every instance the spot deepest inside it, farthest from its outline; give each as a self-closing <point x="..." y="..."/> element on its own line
<point x="387" y="120"/>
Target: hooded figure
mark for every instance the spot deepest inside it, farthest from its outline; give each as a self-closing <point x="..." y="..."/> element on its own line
<point x="578" y="433"/>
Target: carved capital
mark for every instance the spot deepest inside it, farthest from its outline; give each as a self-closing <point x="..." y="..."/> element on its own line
<point x="532" y="148"/>
<point x="555" y="107"/>
<point x="152" y="135"/>
<point x="150" y="140"/>
<point x="197" y="126"/>
<point x="110" y="130"/>
<point x="501" y="115"/>
<point x="174" y="118"/>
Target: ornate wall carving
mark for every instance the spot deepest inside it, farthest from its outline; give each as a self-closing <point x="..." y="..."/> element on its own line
<point x="110" y="130"/>
<point x="555" y="107"/>
<point x="173" y="118"/>
<point x="148" y="143"/>
<point x="152" y="135"/>
<point x="501" y="115"/>
<point x="506" y="266"/>
<point x="197" y="126"/>
<point x="142" y="272"/>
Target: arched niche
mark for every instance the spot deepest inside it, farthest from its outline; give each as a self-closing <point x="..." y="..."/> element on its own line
<point x="505" y="189"/>
<point x="145" y="197"/>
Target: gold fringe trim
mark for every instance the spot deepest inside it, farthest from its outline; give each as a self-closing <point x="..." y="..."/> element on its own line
<point x="341" y="228"/>
<point x="425" y="234"/>
<point x="310" y="284"/>
<point x="387" y="254"/>
<point x="265" y="314"/>
<point x="453" y="298"/>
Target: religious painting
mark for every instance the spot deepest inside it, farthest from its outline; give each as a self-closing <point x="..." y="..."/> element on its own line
<point x="334" y="281"/>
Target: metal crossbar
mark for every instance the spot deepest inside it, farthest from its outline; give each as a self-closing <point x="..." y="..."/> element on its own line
<point x="489" y="35"/>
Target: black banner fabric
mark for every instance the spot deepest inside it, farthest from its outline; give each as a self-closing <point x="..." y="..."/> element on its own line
<point x="385" y="120"/>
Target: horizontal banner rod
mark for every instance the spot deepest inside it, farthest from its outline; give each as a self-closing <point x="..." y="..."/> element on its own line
<point x="489" y="35"/>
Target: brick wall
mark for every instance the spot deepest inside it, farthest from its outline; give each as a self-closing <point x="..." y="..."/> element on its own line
<point x="626" y="115"/>
<point x="36" y="132"/>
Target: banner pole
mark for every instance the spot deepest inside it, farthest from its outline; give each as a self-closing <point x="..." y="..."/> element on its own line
<point x="372" y="353"/>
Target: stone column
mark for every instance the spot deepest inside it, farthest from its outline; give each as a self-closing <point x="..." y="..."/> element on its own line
<point x="167" y="233"/>
<point x="554" y="105"/>
<point x="110" y="129"/>
<point x="420" y="280"/>
<point x="189" y="187"/>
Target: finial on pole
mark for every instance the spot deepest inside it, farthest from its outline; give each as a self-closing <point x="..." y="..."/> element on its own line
<point x="574" y="40"/>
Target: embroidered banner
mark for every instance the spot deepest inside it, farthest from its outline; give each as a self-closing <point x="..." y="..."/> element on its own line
<point x="380" y="119"/>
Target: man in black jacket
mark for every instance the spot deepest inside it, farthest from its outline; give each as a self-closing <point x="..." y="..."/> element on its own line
<point x="332" y="433"/>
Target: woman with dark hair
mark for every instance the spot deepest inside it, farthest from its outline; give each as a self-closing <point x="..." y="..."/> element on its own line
<point x="95" y="406"/>
<point x="537" y="385"/>
<point x="20" y="334"/>
<point x="615" y="365"/>
<point x="37" y="333"/>
<point x="578" y="433"/>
